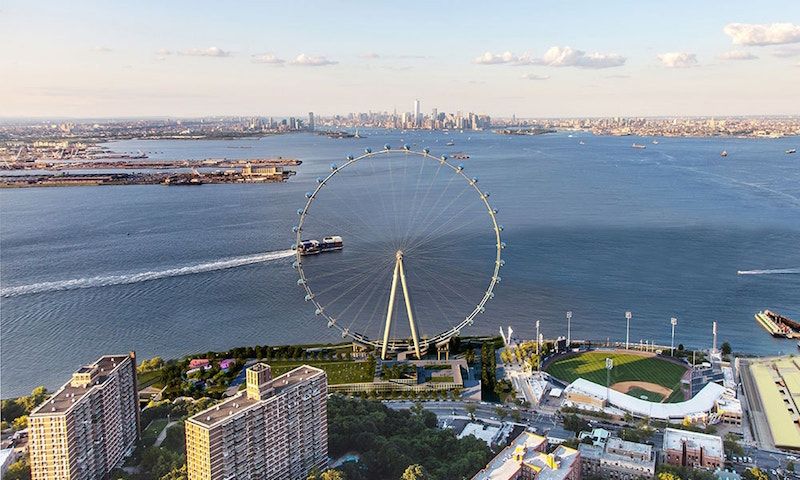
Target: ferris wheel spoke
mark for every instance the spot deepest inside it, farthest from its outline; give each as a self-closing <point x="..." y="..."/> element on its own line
<point x="458" y="312"/>
<point x="425" y="237"/>
<point x="434" y="207"/>
<point x="433" y="275"/>
<point x="435" y="235"/>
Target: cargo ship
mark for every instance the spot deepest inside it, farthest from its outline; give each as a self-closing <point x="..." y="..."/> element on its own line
<point x="777" y="325"/>
<point x="327" y="244"/>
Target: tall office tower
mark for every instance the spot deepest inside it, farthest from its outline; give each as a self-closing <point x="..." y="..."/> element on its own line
<point x="86" y="428"/>
<point x="276" y="428"/>
<point x="311" y="121"/>
<point x="417" y="114"/>
<point x="434" y="118"/>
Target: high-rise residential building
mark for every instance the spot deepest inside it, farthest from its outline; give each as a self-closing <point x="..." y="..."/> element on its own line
<point x="417" y="114"/>
<point x="275" y="428"/>
<point x="311" y="124"/>
<point x="85" y="429"/>
<point x="526" y="458"/>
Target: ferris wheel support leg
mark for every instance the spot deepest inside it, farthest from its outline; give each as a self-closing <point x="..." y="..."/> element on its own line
<point x="408" y="307"/>
<point x="392" y="294"/>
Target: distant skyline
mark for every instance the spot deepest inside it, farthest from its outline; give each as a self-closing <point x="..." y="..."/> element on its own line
<point x="189" y="59"/>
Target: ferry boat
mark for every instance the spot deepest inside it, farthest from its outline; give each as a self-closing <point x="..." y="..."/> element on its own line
<point x="724" y="153"/>
<point x="313" y="247"/>
<point x="791" y="150"/>
<point x="638" y="145"/>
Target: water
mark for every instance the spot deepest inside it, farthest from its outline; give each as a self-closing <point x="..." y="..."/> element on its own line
<point x="600" y="228"/>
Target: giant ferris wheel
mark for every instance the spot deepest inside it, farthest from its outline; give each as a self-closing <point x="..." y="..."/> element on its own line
<point x="399" y="250"/>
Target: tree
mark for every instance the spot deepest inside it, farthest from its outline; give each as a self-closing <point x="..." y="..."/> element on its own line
<point x="471" y="408"/>
<point x="516" y="416"/>
<point x="790" y="466"/>
<point x="680" y="347"/>
<point x="755" y="473"/>
<point x="20" y="423"/>
<point x="415" y="472"/>
<point x="331" y="475"/>
<point x="417" y="408"/>
<point x="575" y="423"/>
<point x="501" y="412"/>
<point x="726" y="348"/>
<point x="667" y="476"/>
<point x="177" y="474"/>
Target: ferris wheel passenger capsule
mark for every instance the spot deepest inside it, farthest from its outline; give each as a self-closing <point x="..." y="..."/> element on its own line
<point x="349" y="157"/>
<point x="443" y="158"/>
<point x="491" y="294"/>
<point x="334" y="167"/>
<point x="301" y="282"/>
<point x="294" y="246"/>
<point x="497" y="279"/>
<point x="318" y="312"/>
<point x="299" y="211"/>
<point x="295" y="229"/>
<point x="502" y="244"/>
<point x="487" y="194"/>
<point x="502" y="263"/>
<point x="406" y="147"/>
<point x="500" y="227"/>
<point x="295" y="265"/>
<point x="309" y="194"/>
<point x="320" y="179"/>
<point x="331" y="323"/>
<point x="494" y="210"/>
<point x="367" y="150"/>
<point x="473" y="181"/>
<point x="387" y="147"/>
<point x="482" y="309"/>
<point x="460" y="167"/>
<point x="309" y="297"/>
<point x="426" y="151"/>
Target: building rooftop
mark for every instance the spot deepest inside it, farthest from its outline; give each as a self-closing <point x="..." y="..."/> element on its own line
<point x="637" y="448"/>
<point x="711" y="444"/>
<point x="525" y="452"/>
<point x="69" y="394"/>
<point x="241" y="402"/>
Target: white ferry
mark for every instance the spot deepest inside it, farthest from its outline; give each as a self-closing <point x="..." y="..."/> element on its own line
<point x="313" y="247"/>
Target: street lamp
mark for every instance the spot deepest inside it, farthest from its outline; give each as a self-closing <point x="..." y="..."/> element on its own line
<point x="673" y="321"/>
<point x="628" y="316"/>
<point x="569" y="330"/>
<point x="537" y="337"/>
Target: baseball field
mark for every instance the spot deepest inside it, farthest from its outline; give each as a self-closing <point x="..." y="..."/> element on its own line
<point x="640" y="376"/>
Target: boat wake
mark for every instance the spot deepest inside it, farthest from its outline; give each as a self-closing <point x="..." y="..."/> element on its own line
<point x="777" y="271"/>
<point x="108" y="280"/>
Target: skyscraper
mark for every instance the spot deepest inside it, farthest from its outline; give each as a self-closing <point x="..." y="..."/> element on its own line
<point x="276" y="428"/>
<point x="84" y="430"/>
<point x="417" y="114"/>
<point x="311" y="121"/>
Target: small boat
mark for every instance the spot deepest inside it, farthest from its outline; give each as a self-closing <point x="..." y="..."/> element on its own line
<point x="581" y="143"/>
<point x="724" y="153"/>
<point x="638" y="145"/>
<point x="791" y="150"/>
<point x="450" y="143"/>
<point x="655" y="142"/>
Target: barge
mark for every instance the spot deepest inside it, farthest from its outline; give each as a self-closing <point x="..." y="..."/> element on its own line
<point x="777" y="325"/>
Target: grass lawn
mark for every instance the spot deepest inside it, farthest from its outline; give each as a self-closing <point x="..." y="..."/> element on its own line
<point x="442" y="379"/>
<point x="338" y="372"/>
<point x="148" y="378"/>
<point x="627" y="367"/>
<point x="641" y="392"/>
<point x="150" y="433"/>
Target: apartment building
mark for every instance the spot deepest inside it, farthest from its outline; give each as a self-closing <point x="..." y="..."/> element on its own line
<point x="276" y="428"/>
<point x="85" y="429"/>
<point x="526" y="459"/>
<point x="617" y="459"/>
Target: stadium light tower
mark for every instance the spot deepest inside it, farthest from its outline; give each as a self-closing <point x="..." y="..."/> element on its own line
<point x="569" y="330"/>
<point x="628" y="316"/>
<point x="609" y="366"/>
<point x="537" y="338"/>
<point x="673" y="321"/>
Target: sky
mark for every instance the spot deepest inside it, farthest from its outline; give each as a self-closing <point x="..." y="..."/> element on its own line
<point x="97" y="59"/>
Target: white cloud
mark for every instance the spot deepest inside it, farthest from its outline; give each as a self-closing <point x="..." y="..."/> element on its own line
<point x="762" y="34"/>
<point x="304" y="60"/>
<point x="269" y="58"/>
<point x="490" y="58"/>
<point x="102" y="49"/>
<point x="737" y="55"/>
<point x="369" y="56"/>
<point x="205" y="52"/>
<point x="678" y="59"/>
<point x="534" y="76"/>
<point x="163" y="52"/>
<point x="555" y="57"/>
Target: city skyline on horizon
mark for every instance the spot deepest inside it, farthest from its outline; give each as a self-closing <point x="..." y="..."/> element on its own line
<point x="135" y="61"/>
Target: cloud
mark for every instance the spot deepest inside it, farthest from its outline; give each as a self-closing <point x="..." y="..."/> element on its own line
<point x="268" y="58"/>
<point x="787" y="52"/>
<point x="555" y="57"/>
<point x="205" y="52"/>
<point x="163" y="52"/>
<point x="737" y="55"/>
<point x="304" y="60"/>
<point x="762" y="34"/>
<point x="678" y="60"/>
<point x="533" y="76"/>
<point x="369" y="56"/>
<point x="102" y="49"/>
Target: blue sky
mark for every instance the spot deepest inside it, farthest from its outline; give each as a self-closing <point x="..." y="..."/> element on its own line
<point x="101" y="59"/>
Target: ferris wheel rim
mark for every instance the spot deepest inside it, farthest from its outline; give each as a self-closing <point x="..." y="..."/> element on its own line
<point x="398" y="344"/>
